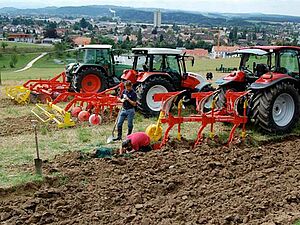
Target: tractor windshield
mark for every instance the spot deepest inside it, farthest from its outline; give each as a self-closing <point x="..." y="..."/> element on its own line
<point x="252" y="63"/>
<point x="94" y="56"/>
<point x="141" y="63"/>
<point x="289" y="63"/>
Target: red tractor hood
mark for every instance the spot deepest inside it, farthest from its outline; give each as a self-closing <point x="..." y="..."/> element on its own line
<point x="236" y="76"/>
<point x="194" y="81"/>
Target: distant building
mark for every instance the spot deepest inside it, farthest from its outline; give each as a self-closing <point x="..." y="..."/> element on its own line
<point x="81" y="41"/>
<point x="51" y="40"/>
<point x="222" y="51"/>
<point x="197" y="52"/>
<point x="21" y="37"/>
<point x="157" y="18"/>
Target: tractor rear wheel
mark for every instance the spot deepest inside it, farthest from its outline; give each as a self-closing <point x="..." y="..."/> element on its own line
<point x="90" y="80"/>
<point x="145" y="92"/>
<point x="276" y="109"/>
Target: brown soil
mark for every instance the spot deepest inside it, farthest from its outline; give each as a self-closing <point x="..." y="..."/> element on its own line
<point x="18" y="125"/>
<point x="5" y="102"/>
<point x="177" y="185"/>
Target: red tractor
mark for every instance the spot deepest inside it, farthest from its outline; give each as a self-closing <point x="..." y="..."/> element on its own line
<point x="271" y="73"/>
<point x="161" y="70"/>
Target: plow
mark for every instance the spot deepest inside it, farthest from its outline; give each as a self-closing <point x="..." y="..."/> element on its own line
<point x="38" y="90"/>
<point x="231" y="113"/>
<point x="82" y="107"/>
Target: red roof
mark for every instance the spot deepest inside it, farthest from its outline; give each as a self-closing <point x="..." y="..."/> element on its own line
<point x="19" y="36"/>
<point x="81" y="41"/>
<point x="196" y="52"/>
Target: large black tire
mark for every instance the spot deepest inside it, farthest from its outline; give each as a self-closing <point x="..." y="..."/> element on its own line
<point x="78" y="79"/>
<point x="276" y="109"/>
<point x="142" y="91"/>
<point x="221" y="100"/>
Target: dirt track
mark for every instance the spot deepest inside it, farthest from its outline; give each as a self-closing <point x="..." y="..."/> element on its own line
<point x="173" y="186"/>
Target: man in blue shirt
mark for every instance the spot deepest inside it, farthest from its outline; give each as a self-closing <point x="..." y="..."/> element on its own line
<point x="128" y="98"/>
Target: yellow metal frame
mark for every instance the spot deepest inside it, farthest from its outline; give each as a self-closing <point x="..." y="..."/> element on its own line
<point x="58" y="115"/>
<point x="18" y="93"/>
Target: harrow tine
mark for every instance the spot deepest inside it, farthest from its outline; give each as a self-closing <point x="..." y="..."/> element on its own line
<point x="65" y="117"/>
<point x="18" y="93"/>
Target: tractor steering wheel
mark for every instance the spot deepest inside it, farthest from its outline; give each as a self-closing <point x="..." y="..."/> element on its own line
<point x="248" y="72"/>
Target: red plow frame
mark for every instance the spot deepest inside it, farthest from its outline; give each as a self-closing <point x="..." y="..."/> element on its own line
<point x="229" y="114"/>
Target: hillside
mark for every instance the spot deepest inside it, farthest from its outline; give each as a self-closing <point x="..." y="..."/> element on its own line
<point x="146" y="15"/>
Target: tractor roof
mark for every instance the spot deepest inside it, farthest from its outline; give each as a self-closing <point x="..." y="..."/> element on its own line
<point x="157" y="51"/>
<point x="275" y="48"/>
<point x="254" y="51"/>
<point x="95" y="46"/>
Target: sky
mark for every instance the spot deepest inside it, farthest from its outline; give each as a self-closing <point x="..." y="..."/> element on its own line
<point x="284" y="7"/>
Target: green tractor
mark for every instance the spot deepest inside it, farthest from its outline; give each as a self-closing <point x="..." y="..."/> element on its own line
<point x="95" y="70"/>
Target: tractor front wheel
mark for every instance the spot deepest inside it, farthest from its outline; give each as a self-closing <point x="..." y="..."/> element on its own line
<point x="145" y="92"/>
<point x="90" y="81"/>
<point x="276" y="109"/>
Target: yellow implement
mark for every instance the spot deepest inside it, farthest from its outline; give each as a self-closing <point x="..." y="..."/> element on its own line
<point x="155" y="131"/>
<point x="53" y="113"/>
<point x="18" y="93"/>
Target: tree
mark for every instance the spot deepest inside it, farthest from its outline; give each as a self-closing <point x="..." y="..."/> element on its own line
<point x="59" y="48"/>
<point x="51" y="33"/>
<point x="4" y="45"/>
<point x="127" y="31"/>
<point x="179" y="42"/>
<point x="13" y="60"/>
<point x="161" y="38"/>
<point x="154" y="31"/>
<point x="83" y="23"/>
<point x="139" y="37"/>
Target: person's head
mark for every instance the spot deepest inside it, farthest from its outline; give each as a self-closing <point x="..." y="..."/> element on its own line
<point x="128" y="85"/>
<point x="126" y="145"/>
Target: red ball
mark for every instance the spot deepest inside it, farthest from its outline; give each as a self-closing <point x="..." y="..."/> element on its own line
<point x="95" y="119"/>
<point x="75" y="111"/>
<point x="83" y="116"/>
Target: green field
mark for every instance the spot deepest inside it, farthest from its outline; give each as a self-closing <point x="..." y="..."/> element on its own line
<point x="23" y="59"/>
<point x="22" y="47"/>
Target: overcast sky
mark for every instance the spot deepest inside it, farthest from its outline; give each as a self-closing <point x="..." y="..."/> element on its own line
<point x="286" y="7"/>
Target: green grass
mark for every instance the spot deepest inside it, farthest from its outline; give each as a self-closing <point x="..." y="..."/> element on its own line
<point x="24" y="47"/>
<point x="297" y="223"/>
<point x="32" y="73"/>
<point x="17" y="179"/>
<point x="204" y="65"/>
<point x="23" y="60"/>
<point x="48" y="62"/>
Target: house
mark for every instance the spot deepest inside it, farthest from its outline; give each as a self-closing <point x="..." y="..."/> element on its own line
<point x="21" y="37"/>
<point x="81" y="41"/>
<point x="223" y="51"/>
<point x="197" y="52"/>
<point x="51" y="40"/>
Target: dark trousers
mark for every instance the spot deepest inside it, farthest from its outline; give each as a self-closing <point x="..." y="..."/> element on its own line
<point x="129" y="114"/>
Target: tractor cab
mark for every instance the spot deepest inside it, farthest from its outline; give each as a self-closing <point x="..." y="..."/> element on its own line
<point x="254" y="63"/>
<point x="262" y="60"/>
<point x="95" y="70"/>
<point x="161" y="70"/>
